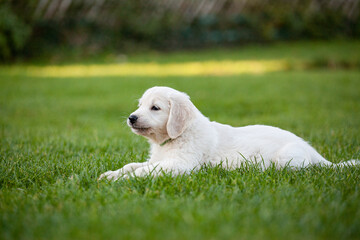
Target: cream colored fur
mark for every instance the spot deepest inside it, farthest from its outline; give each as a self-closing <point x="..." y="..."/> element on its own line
<point x="182" y="140"/>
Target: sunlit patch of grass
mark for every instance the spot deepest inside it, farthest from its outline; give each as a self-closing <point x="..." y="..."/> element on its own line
<point x="215" y="68"/>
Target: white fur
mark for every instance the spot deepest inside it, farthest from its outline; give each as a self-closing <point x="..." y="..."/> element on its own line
<point x="195" y="141"/>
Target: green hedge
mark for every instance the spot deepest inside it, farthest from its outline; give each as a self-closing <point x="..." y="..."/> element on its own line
<point x="138" y="24"/>
<point x="14" y="33"/>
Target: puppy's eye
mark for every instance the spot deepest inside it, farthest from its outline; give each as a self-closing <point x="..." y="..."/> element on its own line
<point x="155" y="108"/>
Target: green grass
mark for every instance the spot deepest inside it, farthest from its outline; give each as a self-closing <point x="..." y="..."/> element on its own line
<point x="57" y="135"/>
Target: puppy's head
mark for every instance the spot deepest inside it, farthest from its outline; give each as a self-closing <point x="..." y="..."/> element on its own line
<point x="163" y="113"/>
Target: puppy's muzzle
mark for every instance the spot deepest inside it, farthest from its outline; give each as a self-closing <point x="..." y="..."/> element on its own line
<point x="133" y="119"/>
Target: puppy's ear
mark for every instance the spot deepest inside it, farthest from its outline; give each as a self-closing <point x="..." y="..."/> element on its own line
<point x="181" y="112"/>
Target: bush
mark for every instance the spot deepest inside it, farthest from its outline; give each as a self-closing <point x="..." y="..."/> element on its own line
<point x="91" y="27"/>
<point x="13" y="33"/>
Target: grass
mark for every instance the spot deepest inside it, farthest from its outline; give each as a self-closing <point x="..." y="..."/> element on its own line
<point x="58" y="134"/>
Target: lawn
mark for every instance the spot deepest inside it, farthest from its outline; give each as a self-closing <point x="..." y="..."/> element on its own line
<point x="62" y="126"/>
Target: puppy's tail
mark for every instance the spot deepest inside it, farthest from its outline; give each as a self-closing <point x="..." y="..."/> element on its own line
<point x="318" y="159"/>
<point x="350" y="163"/>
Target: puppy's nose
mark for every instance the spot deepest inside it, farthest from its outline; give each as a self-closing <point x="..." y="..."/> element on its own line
<point x="133" y="119"/>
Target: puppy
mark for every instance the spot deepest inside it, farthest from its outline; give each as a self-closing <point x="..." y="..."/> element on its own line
<point x="182" y="140"/>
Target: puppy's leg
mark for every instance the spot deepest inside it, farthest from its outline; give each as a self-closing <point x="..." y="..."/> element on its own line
<point x="174" y="167"/>
<point x="150" y="169"/>
<point x="293" y="155"/>
<point x="133" y="166"/>
<point x="114" y="175"/>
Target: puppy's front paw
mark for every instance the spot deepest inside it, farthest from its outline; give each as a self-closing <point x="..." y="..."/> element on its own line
<point x="125" y="176"/>
<point x="110" y="175"/>
<point x="131" y="167"/>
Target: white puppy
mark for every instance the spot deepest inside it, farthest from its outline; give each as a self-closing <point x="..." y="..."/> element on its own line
<point x="182" y="140"/>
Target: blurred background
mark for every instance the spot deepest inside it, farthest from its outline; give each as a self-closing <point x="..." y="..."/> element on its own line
<point x="55" y="29"/>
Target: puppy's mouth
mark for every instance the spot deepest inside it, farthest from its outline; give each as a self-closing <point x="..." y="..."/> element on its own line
<point x="140" y="131"/>
<point x="139" y="128"/>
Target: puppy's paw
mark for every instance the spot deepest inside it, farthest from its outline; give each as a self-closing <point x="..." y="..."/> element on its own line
<point x="110" y="175"/>
<point x="125" y="176"/>
<point x="131" y="167"/>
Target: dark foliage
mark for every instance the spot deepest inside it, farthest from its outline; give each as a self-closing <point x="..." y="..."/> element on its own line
<point x="33" y="29"/>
